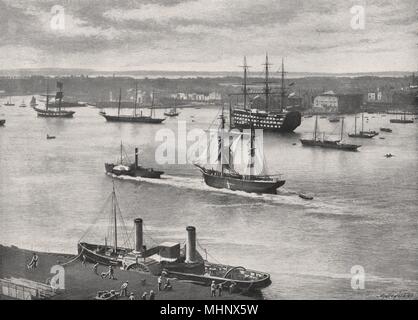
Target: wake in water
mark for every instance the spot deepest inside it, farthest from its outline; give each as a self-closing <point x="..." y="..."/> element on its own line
<point x="283" y="197"/>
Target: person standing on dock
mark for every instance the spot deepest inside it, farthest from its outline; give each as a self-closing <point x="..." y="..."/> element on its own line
<point x="151" y="295"/>
<point x="220" y="290"/>
<point x="144" y="296"/>
<point x="213" y="289"/>
<point x="33" y="264"/>
<point x="132" y="296"/>
<point x="124" y="289"/>
<point x="109" y="273"/>
<point x="83" y="260"/>
<point x="160" y="283"/>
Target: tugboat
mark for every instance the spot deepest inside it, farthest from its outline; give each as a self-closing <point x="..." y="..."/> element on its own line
<point x="277" y="121"/>
<point x="134" y="117"/>
<point x="362" y="134"/>
<point x="330" y="144"/>
<point x="172" y="112"/>
<point x="9" y="103"/>
<point x="228" y="178"/>
<point x="168" y="258"/>
<point x="55" y="110"/>
<point x="132" y="169"/>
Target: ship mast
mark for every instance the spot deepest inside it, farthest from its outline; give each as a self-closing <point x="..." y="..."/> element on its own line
<point x="114" y="217"/>
<point x="136" y="97"/>
<point x="316" y="127"/>
<point x="342" y="128"/>
<point x="244" y="84"/>
<point x="282" y="92"/>
<point x="252" y="151"/>
<point x="120" y="97"/>
<point x="59" y="95"/>
<point x="47" y="95"/>
<point x="266" y="81"/>
<point x="220" y="140"/>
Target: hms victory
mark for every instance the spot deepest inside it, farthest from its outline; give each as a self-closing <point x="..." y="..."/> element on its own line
<point x="280" y="120"/>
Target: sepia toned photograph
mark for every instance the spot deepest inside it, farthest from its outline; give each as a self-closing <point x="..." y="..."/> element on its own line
<point x="216" y="150"/>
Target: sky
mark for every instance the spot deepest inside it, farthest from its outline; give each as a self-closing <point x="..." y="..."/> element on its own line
<point x="210" y="35"/>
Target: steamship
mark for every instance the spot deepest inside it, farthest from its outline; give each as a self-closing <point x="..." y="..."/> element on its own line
<point x="54" y="110"/>
<point x="132" y="169"/>
<point x="247" y="117"/>
<point x="168" y="258"/>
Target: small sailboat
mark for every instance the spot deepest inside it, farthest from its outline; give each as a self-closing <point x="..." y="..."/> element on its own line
<point x="9" y="103"/>
<point x="171" y="113"/>
<point x="33" y="102"/>
<point x="386" y="129"/>
<point x="362" y="134"/>
<point x="329" y="144"/>
<point x="23" y="104"/>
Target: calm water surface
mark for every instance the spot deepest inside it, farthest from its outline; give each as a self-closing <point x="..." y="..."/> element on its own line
<point x="364" y="212"/>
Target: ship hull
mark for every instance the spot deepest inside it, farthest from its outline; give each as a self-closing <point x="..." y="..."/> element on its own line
<point x="276" y="122"/>
<point x="329" y="145"/>
<point x="239" y="184"/>
<point x="226" y="275"/>
<point x="138" y="172"/>
<point x="54" y="114"/>
<point x="132" y="119"/>
<point x="401" y="121"/>
<point x="100" y="254"/>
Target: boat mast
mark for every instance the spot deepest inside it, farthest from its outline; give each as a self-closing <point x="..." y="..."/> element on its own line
<point x="282" y="93"/>
<point x="152" y="104"/>
<point x="355" y="124"/>
<point x="114" y="217"/>
<point x="220" y="141"/>
<point x="362" y="123"/>
<point x="316" y="126"/>
<point x="342" y="128"/>
<point x="244" y="85"/>
<point x="47" y="95"/>
<point x="121" y="151"/>
<point x="136" y="97"/>
<point x="252" y="151"/>
<point x="266" y="81"/>
<point x="120" y="98"/>
<point x="60" y="95"/>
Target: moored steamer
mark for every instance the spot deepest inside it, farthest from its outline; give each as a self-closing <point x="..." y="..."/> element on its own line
<point x="168" y="258"/>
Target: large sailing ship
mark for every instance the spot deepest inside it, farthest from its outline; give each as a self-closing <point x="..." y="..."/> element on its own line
<point x="139" y="118"/>
<point x="226" y="177"/>
<point x="169" y="258"/>
<point x="249" y="116"/>
<point x="54" y="110"/>
<point x="402" y="119"/>
<point x="316" y="141"/>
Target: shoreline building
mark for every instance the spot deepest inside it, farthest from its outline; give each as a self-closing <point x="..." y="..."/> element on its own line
<point x="331" y="102"/>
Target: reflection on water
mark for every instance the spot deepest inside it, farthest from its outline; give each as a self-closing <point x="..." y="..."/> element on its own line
<point x="364" y="211"/>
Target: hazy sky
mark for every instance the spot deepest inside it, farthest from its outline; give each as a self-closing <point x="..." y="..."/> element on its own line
<point x="205" y="35"/>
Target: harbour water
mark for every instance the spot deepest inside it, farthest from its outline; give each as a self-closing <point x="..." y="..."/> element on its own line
<point x="364" y="212"/>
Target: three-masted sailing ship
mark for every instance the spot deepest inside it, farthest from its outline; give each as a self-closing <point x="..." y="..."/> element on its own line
<point x="268" y="119"/>
<point x="54" y="110"/>
<point x="139" y="118"/>
<point x="316" y="141"/>
<point x="170" y="258"/>
<point x="362" y="133"/>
